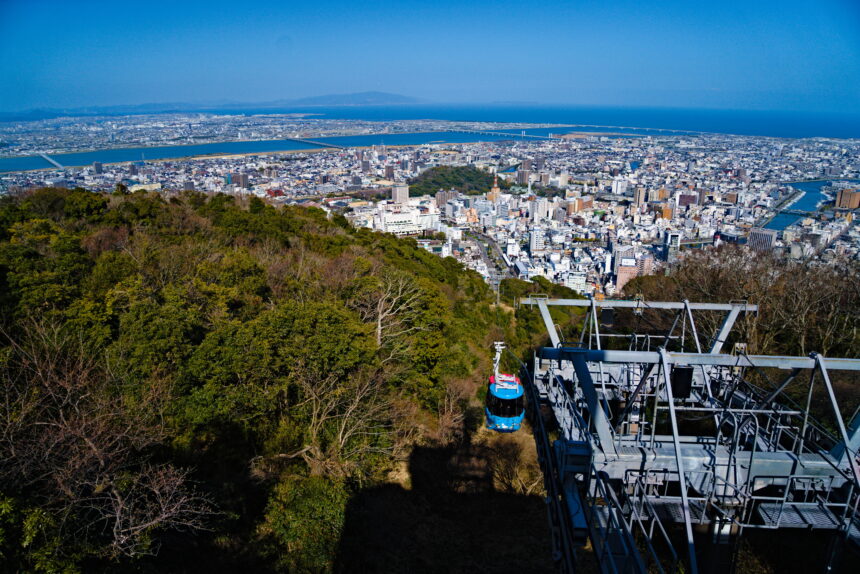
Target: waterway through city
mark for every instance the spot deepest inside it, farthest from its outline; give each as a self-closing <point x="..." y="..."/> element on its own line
<point x="810" y="200"/>
<point x="77" y="159"/>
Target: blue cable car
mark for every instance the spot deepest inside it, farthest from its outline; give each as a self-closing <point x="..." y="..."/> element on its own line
<point x="505" y="408"/>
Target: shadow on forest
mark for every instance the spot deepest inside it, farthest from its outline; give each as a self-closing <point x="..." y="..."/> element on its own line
<point x="451" y="520"/>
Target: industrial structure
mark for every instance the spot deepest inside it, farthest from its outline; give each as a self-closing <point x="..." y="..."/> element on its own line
<point x="663" y="459"/>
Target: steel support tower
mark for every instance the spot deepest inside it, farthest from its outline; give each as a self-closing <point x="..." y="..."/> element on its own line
<point x="662" y="456"/>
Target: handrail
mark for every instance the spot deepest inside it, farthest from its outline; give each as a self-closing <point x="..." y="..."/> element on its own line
<point x="557" y="515"/>
<point x="619" y="527"/>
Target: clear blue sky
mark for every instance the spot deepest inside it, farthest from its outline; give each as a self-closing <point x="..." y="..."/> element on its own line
<point x="751" y="54"/>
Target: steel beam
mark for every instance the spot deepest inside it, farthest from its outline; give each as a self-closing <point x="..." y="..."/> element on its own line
<point x="679" y="460"/>
<point x="725" y="329"/>
<point x="716" y="360"/>
<point x="843" y="432"/>
<point x="692" y="325"/>
<point x="774" y="393"/>
<point x="598" y="416"/>
<point x="640" y="304"/>
<point x="548" y="322"/>
<point x="701" y="457"/>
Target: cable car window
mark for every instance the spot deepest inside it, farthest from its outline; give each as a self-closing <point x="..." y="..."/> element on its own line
<point x="505" y="407"/>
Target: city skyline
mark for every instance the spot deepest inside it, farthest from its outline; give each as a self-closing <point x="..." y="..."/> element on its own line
<point x="794" y="55"/>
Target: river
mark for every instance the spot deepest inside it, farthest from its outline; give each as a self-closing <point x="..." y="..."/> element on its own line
<point x="78" y="159"/>
<point x="809" y="202"/>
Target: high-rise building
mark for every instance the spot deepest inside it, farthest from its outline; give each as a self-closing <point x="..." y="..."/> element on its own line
<point x="621" y="253"/>
<point x="539" y="209"/>
<point x="584" y="203"/>
<point x="400" y="194"/>
<point x="646" y="265"/>
<point x="241" y="180"/>
<point x="523" y="176"/>
<point x="132" y="169"/>
<point x="671" y="246"/>
<point x="761" y="239"/>
<point x="536" y="240"/>
<point x="98" y="167"/>
<point x="848" y="199"/>
<point x="525" y="165"/>
<point x="626" y="271"/>
<point x="640" y="196"/>
<point x="389" y="172"/>
<point x="443" y="197"/>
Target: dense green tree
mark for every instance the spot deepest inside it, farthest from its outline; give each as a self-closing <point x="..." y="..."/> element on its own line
<point x="303" y="523"/>
<point x="277" y="356"/>
<point x="465" y="179"/>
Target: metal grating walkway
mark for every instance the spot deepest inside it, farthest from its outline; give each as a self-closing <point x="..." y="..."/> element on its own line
<point x="795" y="515"/>
<point x="671" y="510"/>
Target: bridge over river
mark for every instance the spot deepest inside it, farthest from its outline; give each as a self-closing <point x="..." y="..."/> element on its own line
<point x="52" y="161"/>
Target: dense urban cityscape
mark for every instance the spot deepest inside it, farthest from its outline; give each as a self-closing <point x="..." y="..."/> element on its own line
<point x="583" y="209"/>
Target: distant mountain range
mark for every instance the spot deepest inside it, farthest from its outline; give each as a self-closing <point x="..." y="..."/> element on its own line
<point x="359" y="99"/>
<point x="356" y="99"/>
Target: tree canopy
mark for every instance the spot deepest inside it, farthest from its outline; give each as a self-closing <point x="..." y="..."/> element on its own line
<point x="465" y="179"/>
<point x="217" y="374"/>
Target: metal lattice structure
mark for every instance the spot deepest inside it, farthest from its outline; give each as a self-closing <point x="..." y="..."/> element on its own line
<point x="624" y="474"/>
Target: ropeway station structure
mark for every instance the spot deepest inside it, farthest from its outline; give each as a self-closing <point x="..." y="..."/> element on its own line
<point x="664" y="459"/>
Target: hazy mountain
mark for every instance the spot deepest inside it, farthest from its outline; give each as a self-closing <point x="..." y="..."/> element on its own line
<point x="356" y="99"/>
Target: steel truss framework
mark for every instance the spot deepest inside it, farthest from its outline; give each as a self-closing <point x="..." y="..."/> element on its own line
<point x="651" y="498"/>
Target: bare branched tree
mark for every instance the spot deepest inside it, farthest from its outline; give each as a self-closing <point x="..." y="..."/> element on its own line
<point x="347" y="418"/>
<point x="452" y="416"/>
<point x="75" y="442"/>
<point x="803" y="306"/>
<point x="407" y="430"/>
<point x="391" y="303"/>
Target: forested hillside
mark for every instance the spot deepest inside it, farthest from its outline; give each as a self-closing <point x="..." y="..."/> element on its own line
<point x="191" y="384"/>
<point x="465" y="179"/>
